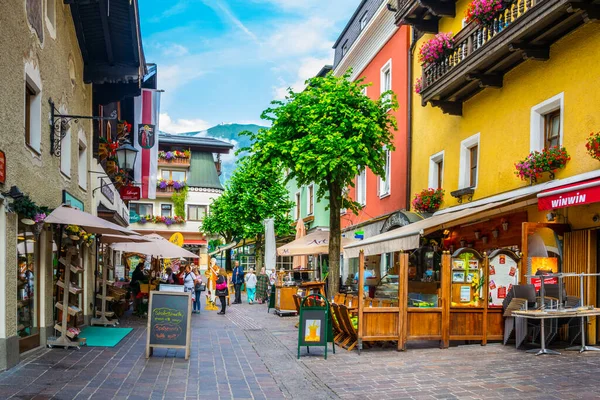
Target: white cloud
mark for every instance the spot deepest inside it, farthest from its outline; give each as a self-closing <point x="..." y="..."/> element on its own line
<point x="299" y="38"/>
<point x="174" y="50"/>
<point x="309" y="67"/>
<point x="221" y="8"/>
<point x="169" y="125"/>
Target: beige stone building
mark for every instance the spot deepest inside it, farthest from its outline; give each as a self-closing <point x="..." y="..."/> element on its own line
<point x="45" y="57"/>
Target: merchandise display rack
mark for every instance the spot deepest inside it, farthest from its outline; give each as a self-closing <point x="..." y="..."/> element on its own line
<point x="102" y="315"/>
<point x="72" y="264"/>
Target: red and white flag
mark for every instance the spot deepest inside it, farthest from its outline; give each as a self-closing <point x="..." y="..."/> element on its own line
<point x="145" y="133"/>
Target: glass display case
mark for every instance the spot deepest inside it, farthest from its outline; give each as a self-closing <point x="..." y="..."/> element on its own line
<point x="467" y="278"/>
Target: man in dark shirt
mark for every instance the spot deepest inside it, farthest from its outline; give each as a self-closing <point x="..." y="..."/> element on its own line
<point x="238" y="279"/>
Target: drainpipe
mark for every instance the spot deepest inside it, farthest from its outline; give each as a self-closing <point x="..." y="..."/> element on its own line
<point x="411" y="52"/>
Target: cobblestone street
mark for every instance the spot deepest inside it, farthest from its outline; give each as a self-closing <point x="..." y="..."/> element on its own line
<point x="249" y="354"/>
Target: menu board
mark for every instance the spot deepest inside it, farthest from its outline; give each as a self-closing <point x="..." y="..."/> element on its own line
<point x="503" y="275"/>
<point x="169" y="317"/>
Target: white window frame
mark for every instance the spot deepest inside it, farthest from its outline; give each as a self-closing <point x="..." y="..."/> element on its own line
<point x="361" y="190"/>
<point x="538" y="113"/>
<point x="32" y="78"/>
<point x="297" y="206"/>
<point x="434" y="160"/>
<point x="345" y="48"/>
<point x="388" y="177"/>
<point x="465" y="161"/>
<point x="82" y="161"/>
<point x="308" y="210"/>
<point x="364" y="20"/>
<point x="166" y="204"/>
<point x="65" y="153"/>
<point x="187" y="212"/>
<point x="50" y="17"/>
<point x="387" y="67"/>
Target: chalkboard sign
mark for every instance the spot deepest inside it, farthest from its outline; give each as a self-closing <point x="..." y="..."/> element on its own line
<point x="169" y="320"/>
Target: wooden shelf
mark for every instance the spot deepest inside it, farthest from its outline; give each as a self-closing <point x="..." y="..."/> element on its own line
<point x="72" y="311"/>
<point x="108" y="298"/>
<point x="58" y="327"/>
<point x="74" y="268"/>
<point x="72" y="289"/>
<point x="107" y="314"/>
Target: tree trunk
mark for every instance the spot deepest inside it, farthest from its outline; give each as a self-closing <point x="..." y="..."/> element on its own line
<point x="335" y="234"/>
<point x="259" y="253"/>
<point x="228" y="257"/>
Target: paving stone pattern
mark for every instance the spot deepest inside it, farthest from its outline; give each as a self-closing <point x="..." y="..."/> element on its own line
<point x="249" y="354"/>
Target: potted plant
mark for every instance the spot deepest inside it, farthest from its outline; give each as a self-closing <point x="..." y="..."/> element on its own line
<point x="103" y="149"/>
<point x="484" y="12"/>
<point x="418" y="85"/>
<point x="111" y="165"/>
<point x="429" y="200"/>
<point x="593" y="145"/>
<point x="436" y="48"/>
<point x="537" y="162"/>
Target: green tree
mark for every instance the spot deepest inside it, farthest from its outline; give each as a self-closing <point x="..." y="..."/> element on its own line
<point x="260" y="193"/>
<point x="223" y="221"/>
<point x="326" y="134"/>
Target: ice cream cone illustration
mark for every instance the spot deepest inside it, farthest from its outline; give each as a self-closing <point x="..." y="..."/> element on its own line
<point x="312" y="333"/>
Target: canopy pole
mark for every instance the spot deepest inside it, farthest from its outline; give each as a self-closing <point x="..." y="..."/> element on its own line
<point x="361" y="295"/>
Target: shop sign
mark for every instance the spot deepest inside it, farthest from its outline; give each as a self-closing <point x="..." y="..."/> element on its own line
<point x="134" y="217"/>
<point x="70" y="200"/>
<point x="2" y="167"/>
<point x="107" y="191"/>
<point x="129" y="193"/>
<point x="359" y="235"/>
<point x="177" y="239"/>
<point x="581" y="193"/>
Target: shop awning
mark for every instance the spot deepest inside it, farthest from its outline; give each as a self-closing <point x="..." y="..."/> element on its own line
<point x="408" y="237"/>
<point x="575" y="194"/>
<point x="71" y="216"/>
<point x="155" y="247"/>
<point x="316" y="242"/>
<point x="223" y="248"/>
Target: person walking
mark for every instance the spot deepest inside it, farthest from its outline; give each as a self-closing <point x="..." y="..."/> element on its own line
<point x="221" y="290"/>
<point x="237" y="279"/>
<point x="197" y="290"/>
<point x="189" y="281"/>
<point x="262" y="286"/>
<point x="250" y="285"/>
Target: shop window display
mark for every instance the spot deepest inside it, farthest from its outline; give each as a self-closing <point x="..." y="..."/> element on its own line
<point x="27" y="288"/>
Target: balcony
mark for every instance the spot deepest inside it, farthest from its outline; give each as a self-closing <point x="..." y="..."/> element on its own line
<point x="482" y="56"/>
<point x="174" y="162"/>
<point x="423" y="15"/>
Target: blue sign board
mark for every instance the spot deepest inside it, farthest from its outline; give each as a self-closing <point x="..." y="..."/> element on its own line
<point x="70" y="200"/>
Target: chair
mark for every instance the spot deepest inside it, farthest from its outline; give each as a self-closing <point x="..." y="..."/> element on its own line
<point x="520" y="297"/>
<point x="338" y="333"/>
<point x="350" y="330"/>
<point x="339" y="298"/>
<point x="345" y="337"/>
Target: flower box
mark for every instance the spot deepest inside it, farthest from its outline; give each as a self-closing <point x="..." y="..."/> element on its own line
<point x="436" y="48"/>
<point x="484" y="12"/>
<point x="537" y="162"/>
<point x="429" y="200"/>
<point x="592" y="145"/>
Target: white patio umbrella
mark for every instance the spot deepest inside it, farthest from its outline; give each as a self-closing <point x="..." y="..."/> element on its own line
<point x="71" y="216"/>
<point x="157" y="248"/>
<point x="270" y="246"/>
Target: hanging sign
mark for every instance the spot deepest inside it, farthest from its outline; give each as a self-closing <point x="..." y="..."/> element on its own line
<point x="177" y="239"/>
<point x="130" y="192"/>
<point x="146" y="136"/>
<point x="2" y="167"/>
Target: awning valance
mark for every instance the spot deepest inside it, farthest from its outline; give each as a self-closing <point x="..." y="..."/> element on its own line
<point x="316" y="242"/>
<point x="574" y="194"/>
<point x="408" y="237"/>
<point x="223" y="248"/>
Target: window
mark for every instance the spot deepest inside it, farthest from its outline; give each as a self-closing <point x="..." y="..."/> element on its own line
<point x="82" y="162"/>
<point x="297" y="209"/>
<point x="364" y="91"/>
<point x="469" y="162"/>
<point x="310" y="193"/>
<point x="141" y="208"/>
<point x="196" y="213"/>
<point x="363" y="21"/>
<point x="33" y="108"/>
<point x="65" y="154"/>
<point x="166" y="210"/>
<point x="386" y="77"/>
<point x="384" y="181"/>
<point x="552" y="129"/>
<point x="345" y="48"/>
<point x="173" y="175"/>
<point x="361" y="187"/>
<point x="547" y="123"/>
<point x="51" y="17"/>
<point x="436" y="170"/>
<point x="344" y="196"/>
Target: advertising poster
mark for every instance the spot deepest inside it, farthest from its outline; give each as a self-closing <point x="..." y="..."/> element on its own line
<point x="503" y="275"/>
<point x="544" y="266"/>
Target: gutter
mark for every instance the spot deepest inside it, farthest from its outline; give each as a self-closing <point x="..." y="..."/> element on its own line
<point x="409" y="124"/>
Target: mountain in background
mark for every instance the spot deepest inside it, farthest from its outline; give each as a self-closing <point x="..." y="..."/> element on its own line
<point x="228" y="133"/>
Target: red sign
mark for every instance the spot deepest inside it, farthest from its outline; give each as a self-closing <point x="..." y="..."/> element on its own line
<point x="2" y="167"/>
<point x="130" y="193"/>
<point x="575" y="194"/>
<point x="537" y="282"/>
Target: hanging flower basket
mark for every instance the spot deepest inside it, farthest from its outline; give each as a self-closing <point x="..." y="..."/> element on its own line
<point x="435" y="49"/>
<point x="537" y="162"/>
<point x="418" y="85"/>
<point x="593" y="145"/>
<point x="429" y="200"/>
<point x="484" y="12"/>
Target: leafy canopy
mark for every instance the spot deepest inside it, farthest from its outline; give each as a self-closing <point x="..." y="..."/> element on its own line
<point x="222" y="219"/>
<point x="327" y="133"/>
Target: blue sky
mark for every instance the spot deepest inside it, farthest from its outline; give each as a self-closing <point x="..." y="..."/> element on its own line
<point x="225" y="60"/>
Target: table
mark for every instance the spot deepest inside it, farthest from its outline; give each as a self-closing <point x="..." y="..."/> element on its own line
<point x="566" y="313"/>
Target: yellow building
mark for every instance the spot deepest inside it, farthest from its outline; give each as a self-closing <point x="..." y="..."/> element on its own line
<point x="527" y="81"/>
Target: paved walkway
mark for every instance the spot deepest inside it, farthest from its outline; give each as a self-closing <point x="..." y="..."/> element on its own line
<point x="249" y="354"/>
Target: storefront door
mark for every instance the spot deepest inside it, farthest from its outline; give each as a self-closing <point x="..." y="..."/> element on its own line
<point x="28" y="313"/>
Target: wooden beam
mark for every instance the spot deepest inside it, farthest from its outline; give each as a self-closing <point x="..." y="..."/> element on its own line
<point x="591" y="11"/>
<point x="446" y="298"/>
<point x="79" y="32"/>
<point x="403" y="301"/>
<point x="490" y="80"/>
<point x="531" y="52"/>
<point x="423" y="25"/>
<point x="106" y="32"/>
<point x="448" y="107"/>
<point x="361" y="295"/>
<point x="440" y="8"/>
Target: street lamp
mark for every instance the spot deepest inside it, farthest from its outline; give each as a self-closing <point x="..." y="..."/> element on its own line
<point x="127" y="154"/>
